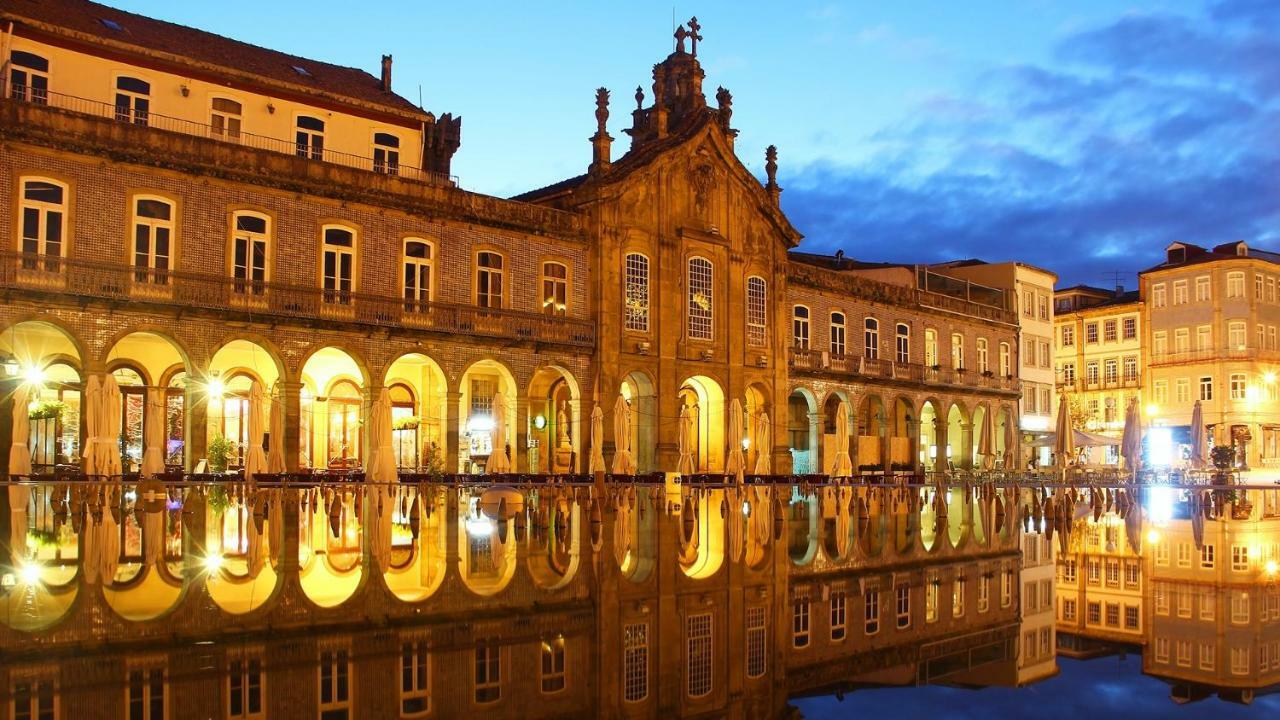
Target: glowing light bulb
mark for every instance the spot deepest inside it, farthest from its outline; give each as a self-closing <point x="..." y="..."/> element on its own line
<point x="1271" y="567"/>
<point x="29" y="573"/>
<point x="1152" y="409"/>
<point x="1153" y="537"/>
<point x="213" y="562"/>
<point x="1269" y="377"/>
<point x="34" y="375"/>
<point x="216" y="388"/>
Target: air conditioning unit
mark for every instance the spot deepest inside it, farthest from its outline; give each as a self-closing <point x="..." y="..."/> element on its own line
<point x="642" y="348"/>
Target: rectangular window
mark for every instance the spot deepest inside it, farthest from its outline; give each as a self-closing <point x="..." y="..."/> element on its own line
<point x="147" y="692"/>
<point x="903" y="344"/>
<point x="1204" y="338"/>
<point x="1091" y="333"/>
<point x="415" y="679"/>
<point x="488" y="672"/>
<point x="1158" y="295"/>
<point x="837" y="331"/>
<point x="871" y="612"/>
<point x="244" y="688"/>
<point x="800" y="622"/>
<point x="1184" y="653"/>
<point x="902" y="605"/>
<point x="553" y="665"/>
<point x="636" y="289"/>
<point x="1208" y="603"/>
<point x="837" y="615"/>
<point x="1160" y="344"/>
<point x="1094" y="616"/>
<point x="871" y="338"/>
<point x="800" y="328"/>
<point x="635" y="662"/>
<point x="957" y="351"/>
<point x="958" y="587"/>
<point x="1202" y="288"/>
<point x="1239" y="661"/>
<point x="1235" y="285"/>
<point x="1207" y="559"/>
<point x="757" y="315"/>
<point x="1111" y="371"/>
<point x="555" y="289"/>
<point x="698" y="655"/>
<point x="1206" y="388"/>
<point x="338" y="265"/>
<point x="1179" y="292"/>
<point x="1184" y="555"/>
<point x="153" y="227"/>
<point x="1130" y="328"/>
<point x="1068" y="335"/>
<point x="37" y="699"/>
<point x="1239" y="607"/>
<point x="1069" y="373"/>
<point x="1006" y="588"/>
<point x="490" y="280"/>
<point x="1109" y="331"/>
<point x="931" y="588"/>
<point x="1162" y="650"/>
<point x="1131" y="369"/>
<point x="335" y="684"/>
<point x="757" y="642"/>
<point x="1131" y="574"/>
<point x="1091" y="372"/>
<point x="701" y="299"/>
<point x="1068" y="610"/>
<point x="249" y="254"/>
<point x="1236" y="332"/>
<point x="1238" y="386"/>
<point x="1239" y="558"/>
<point x="1207" y="656"/>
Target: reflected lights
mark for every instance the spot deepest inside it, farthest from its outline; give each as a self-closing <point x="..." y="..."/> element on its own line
<point x="1160" y="445"/>
<point x="29" y="573"/>
<point x="1153" y="537"/>
<point x="213" y="563"/>
<point x="479" y="526"/>
<point x="34" y="375"/>
<point x="1271" y="567"/>
<point x="1160" y="504"/>
<point x="1152" y="409"/>
<point x="479" y="423"/>
<point x="216" y="388"/>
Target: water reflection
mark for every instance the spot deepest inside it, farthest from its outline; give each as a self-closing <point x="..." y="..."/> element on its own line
<point x="414" y="599"/>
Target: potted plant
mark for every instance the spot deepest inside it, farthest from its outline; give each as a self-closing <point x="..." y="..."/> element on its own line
<point x="1223" y="457"/>
<point x="219" y="454"/>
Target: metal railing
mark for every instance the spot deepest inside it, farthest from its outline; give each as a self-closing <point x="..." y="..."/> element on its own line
<point x="128" y="114"/>
<point x="819" y="360"/>
<point x="116" y="281"/>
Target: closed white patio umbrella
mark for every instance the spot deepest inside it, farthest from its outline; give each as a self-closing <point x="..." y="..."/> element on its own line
<point x="91" y="412"/>
<point x="108" y="446"/>
<point x="623" y="464"/>
<point x="380" y="464"/>
<point x="1197" y="459"/>
<point x="986" y="444"/>
<point x="1131" y="438"/>
<point x="498" y="461"/>
<point x="1008" y="446"/>
<point x="596" y="463"/>
<point x="19" y="464"/>
<point x="1064" y="441"/>
<point x="684" y="441"/>
<point x="843" y="466"/>
<point x="762" y="444"/>
<point x="153" y="434"/>
<point x="735" y="465"/>
<point x="255" y="459"/>
<point x="275" y="456"/>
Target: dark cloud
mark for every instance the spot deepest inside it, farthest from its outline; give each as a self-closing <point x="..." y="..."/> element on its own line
<point x="1147" y="130"/>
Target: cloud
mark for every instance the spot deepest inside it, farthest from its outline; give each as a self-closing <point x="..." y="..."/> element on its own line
<point x="1145" y="130"/>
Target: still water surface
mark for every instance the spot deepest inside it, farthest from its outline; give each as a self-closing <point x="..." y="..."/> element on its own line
<point x="342" y="600"/>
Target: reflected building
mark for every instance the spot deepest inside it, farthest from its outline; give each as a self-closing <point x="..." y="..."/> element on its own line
<point x="427" y="600"/>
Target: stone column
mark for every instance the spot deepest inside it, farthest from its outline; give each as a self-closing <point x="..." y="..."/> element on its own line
<point x="7" y="386"/>
<point x="817" y="451"/>
<point x="290" y="394"/>
<point x="451" y="436"/>
<point x="369" y="397"/>
<point x="195" y="404"/>
<point x="966" y="439"/>
<point x="519" y="437"/>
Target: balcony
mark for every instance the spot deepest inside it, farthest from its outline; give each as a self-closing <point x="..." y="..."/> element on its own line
<point x="226" y="296"/>
<point x="1179" y="357"/>
<point x="127" y="116"/>
<point x="821" y="361"/>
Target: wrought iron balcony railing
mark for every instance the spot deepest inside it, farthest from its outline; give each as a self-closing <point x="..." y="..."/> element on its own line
<point x="117" y="281"/>
<point x="823" y="361"/>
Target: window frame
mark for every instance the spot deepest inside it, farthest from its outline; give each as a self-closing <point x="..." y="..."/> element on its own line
<point x="150" y="274"/>
<point x="232" y="124"/>
<point x="137" y="108"/>
<point x="801" y="340"/>
<point x="337" y="295"/>
<point x="489" y="272"/>
<point x="309" y="142"/>
<point x="757" y="311"/>
<point x="871" y="338"/>
<point x="635" y="292"/>
<point x="43" y="209"/>
<point x="551" y="288"/>
<point x="413" y="302"/>
<point x="700" y="320"/>
<point x="31" y="92"/>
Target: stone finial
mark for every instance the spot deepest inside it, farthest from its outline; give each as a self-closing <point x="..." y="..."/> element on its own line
<point x="724" y="100"/>
<point x="602" y="109"/>
<point x="693" y="35"/>
<point x="771" y="171"/>
<point x="680" y="35"/>
<point x="639" y="97"/>
<point x="601" y="143"/>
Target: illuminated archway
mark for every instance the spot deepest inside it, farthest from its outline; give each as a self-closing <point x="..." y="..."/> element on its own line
<point x="756" y="401"/>
<point x="930" y="453"/>
<point x="49" y="361"/>
<point x="705" y="401"/>
<point x="555" y="420"/>
<point x="872" y="429"/>
<point x="225" y="388"/>
<point x="902" y="436"/>
<point x="419" y="411"/>
<point x="831" y="420"/>
<point x="959" y="450"/>
<point x="637" y="388"/>
<point x="333" y="430"/>
<point x="802" y="431"/>
<point x="479" y="384"/>
<point x="418" y="565"/>
<point x="330" y="540"/>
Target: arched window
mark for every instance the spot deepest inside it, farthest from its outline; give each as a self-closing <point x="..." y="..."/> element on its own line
<point x="903" y="354"/>
<point x="344" y="424"/>
<point x="800" y="327"/>
<point x="133" y="100"/>
<point x="871" y="338"/>
<point x="338" y="264"/>
<point x="133" y="408"/>
<point x="1006" y="362"/>
<point x="250" y="243"/>
<point x="931" y="347"/>
<point x="309" y="135"/>
<point x="43" y="209"/>
<point x="175" y="401"/>
<point x="636" y="292"/>
<point x="56" y="440"/>
<point x="837" y="334"/>
<point x="957" y="351"/>
<point x="490" y="280"/>
<point x="28" y="77"/>
<point x="419" y="273"/>
<point x="386" y="153"/>
<point x="234" y="423"/>
<point x="404" y="433"/>
<point x="555" y="289"/>
<point x="983" y="365"/>
<point x="154" y="219"/>
<point x="224" y="118"/>
<point x="701" y="299"/>
<point x="757" y="313"/>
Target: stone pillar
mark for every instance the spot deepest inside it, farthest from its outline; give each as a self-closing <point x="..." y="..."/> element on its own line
<point x="370" y="396"/>
<point x="451" y="435"/>
<point x="817" y="451"/>
<point x="290" y="394"/>
<point x="966" y="439"/>
<point x="519" y="437"/>
<point x="940" y="428"/>
<point x="195" y="403"/>
<point x="7" y="386"/>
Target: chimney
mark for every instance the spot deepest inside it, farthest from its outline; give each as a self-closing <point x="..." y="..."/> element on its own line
<point x="386" y="73"/>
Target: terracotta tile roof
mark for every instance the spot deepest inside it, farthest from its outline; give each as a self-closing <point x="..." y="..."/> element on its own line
<point x="117" y="26"/>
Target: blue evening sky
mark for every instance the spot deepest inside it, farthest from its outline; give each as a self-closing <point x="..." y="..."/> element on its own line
<point x="1080" y="135"/>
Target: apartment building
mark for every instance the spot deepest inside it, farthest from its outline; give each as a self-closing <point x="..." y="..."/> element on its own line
<point x="1098" y="358"/>
<point x="1212" y="319"/>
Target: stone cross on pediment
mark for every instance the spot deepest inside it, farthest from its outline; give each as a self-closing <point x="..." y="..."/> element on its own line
<point x="694" y="37"/>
